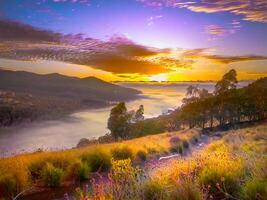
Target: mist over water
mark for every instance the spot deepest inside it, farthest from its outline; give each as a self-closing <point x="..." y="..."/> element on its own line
<point x="66" y="133"/>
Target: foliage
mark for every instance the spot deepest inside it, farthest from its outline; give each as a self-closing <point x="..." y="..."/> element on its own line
<point x="51" y="176"/>
<point x="98" y="160"/>
<point x="77" y="170"/>
<point x="125" y="183"/>
<point x="7" y="184"/>
<point x="176" y="145"/>
<point x="118" y="121"/>
<point x="255" y="189"/>
<point x="147" y="127"/>
<point x="122" y="153"/>
<point x="227" y="83"/>
<point x="139" y="114"/>
<point x="227" y="106"/>
<point x="154" y="191"/>
<point x="186" y="188"/>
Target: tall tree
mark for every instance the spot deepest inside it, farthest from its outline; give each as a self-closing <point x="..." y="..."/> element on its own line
<point x="118" y="121"/>
<point x="139" y="114"/>
<point x="228" y="82"/>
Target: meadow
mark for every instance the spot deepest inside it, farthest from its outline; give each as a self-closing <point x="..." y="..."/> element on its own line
<point x="54" y="169"/>
<point x="233" y="167"/>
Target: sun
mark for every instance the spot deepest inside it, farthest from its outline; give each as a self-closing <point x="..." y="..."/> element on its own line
<point x="159" y="77"/>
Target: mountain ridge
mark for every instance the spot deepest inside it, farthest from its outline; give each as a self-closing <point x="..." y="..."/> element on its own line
<point x="27" y="95"/>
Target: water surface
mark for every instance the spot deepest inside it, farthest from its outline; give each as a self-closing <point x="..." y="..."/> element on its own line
<point x="65" y="133"/>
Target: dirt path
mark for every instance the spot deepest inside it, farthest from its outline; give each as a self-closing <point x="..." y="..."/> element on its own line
<point x="154" y="164"/>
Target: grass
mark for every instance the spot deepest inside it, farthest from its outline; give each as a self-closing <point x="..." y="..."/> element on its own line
<point x="122" y="153"/>
<point x="51" y="176"/>
<point x="233" y="167"/>
<point x="26" y="170"/>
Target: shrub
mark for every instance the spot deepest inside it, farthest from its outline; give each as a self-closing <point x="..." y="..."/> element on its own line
<point x="97" y="160"/>
<point x="51" y="175"/>
<point x="152" y="150"/>
<point x="85" y="142"/>
<point x="255" y="189"/>
<point x="78" y="170"/>
<point x="7" y="184"/>
<point x="126" y="180"/>
<point x="177" y="148"/>
<point x="141" y="155"/>
<point x="154" y="191"/>
<point x="186" y="189"/>
<point x="219" y="183"/>
<point x="122" y="153"/>
<point x="35" y="168"/>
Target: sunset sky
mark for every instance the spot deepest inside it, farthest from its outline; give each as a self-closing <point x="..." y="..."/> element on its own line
<point x="135" y="40"/>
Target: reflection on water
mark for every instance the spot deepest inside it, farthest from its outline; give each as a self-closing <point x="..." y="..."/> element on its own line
<point x="65" y="133"/>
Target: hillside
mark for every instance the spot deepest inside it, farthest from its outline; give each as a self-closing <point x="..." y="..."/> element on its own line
<point x="27" y="95"/>
<point x="174" y="165"/>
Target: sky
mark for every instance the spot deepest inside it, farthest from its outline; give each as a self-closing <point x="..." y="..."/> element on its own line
<point x="135" y="40"/>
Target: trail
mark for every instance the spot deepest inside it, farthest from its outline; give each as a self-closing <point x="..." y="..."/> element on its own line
<point x="152" y="165"/>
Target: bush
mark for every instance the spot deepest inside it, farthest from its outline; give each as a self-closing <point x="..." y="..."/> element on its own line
<point x="126" y="181"/>
<point x="78" y="170"/>
<point x="122" y="153"/>
<point x="154" y="191"/>
<point x="51" y="175"/>
<point x="220" y="183"/>
<point x="97" y="160"/>
<point x="255" y="189"/>
<point x="141" y="155"/>
<point x="7" y="184"/>
<point x="177" y="148"/>
<point x="35" y="168"/>
<point x="186" y="189"/>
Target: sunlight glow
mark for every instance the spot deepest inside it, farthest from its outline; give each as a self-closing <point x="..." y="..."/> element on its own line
<point x="159" y="77"/>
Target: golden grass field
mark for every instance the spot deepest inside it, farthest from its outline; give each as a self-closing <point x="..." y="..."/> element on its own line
<point x="18" y="167"/>
<point x="232" y="167"/>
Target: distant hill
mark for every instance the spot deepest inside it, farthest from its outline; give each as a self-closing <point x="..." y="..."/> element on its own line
<point x="40" y="95"/>
<point x="57" y="85"/>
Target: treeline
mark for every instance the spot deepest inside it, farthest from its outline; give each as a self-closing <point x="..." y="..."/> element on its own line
<point x="226" y="106"/>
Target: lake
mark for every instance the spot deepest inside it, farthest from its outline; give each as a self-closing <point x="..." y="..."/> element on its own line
<point x="157" y="98"/>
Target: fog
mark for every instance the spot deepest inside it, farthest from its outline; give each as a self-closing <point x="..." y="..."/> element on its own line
<point x="66" y="133"/>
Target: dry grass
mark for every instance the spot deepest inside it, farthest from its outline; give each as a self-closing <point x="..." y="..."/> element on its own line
<point x="234" y="167"/>
<point x="25" y="169"/>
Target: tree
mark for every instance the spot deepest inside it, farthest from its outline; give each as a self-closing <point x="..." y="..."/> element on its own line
<point x="118" y="121"/>
<point x="228" y="82"/>
<point x="139" y="114"/>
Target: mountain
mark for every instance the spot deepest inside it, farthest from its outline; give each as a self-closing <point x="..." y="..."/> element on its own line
<point x="31" y="95"/>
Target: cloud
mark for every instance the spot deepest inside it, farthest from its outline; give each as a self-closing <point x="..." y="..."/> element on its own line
<point x="215" y="30"/>
<point x="10" y="30"/>
<point x="117" y="55"/>
<point x="251" y="10"/>
<point x="232" y="59"/>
